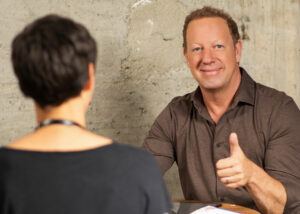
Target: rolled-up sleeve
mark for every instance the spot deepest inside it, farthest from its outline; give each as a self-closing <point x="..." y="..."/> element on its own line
<point x="282" y="158"/>
<point x="159" y="141"/>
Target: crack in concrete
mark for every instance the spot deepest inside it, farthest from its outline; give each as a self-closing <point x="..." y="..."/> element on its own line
<point x="141" y="2"/>
<point x="165" y="38"/>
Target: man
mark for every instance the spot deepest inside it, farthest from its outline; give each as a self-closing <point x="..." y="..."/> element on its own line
<point x="234" y="140"/>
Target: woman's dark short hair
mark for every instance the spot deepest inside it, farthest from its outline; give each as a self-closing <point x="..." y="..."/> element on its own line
<point x="211" y="12"/>
<point x="50" y="59"/>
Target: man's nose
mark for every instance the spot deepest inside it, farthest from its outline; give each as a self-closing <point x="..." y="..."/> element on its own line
<point x="207" y="56"/>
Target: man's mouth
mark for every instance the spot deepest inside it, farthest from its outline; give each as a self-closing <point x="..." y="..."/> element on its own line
<point x="210" y="70"/>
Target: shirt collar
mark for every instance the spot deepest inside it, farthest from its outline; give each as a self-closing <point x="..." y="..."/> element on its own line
<point x="245" y="93"/>
<point x="246" y="90"/>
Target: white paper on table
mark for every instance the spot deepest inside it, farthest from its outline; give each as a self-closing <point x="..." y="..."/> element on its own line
<point x="211" y="209"/>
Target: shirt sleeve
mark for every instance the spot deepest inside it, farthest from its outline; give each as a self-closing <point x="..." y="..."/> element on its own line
<point x="282" y="157"/>
<point x="160" y="139"/>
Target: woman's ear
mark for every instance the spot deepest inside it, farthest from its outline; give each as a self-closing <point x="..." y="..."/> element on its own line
<point x="91" y="82"/>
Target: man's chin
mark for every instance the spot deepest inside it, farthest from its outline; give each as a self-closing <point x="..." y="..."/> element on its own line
<point x="210" y="87"/>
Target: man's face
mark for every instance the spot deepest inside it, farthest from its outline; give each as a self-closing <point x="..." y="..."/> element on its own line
<point x="210" y="54"/>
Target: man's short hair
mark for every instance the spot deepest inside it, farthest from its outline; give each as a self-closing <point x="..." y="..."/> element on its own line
<point x="50" y="59"/>
<point x="211" y="12"/>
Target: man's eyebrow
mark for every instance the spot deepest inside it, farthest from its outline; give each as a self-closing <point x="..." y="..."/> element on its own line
<point x="195" y="44"/>
<point x="218" y="41"/>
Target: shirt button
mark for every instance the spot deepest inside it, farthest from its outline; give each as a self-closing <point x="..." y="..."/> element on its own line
<point x="219" y="144"/>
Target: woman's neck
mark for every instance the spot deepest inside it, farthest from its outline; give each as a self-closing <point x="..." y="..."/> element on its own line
<point x="72" y="110"/>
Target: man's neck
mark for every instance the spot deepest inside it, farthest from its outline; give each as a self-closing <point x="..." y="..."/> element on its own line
<point x="218" y="101"/>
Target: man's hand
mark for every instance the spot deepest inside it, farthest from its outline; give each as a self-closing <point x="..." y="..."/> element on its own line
<point x="236" y="170"/>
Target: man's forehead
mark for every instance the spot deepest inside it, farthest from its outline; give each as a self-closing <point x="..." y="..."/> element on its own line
<point x="208" y="27"/>
<point x="208" y="22"/>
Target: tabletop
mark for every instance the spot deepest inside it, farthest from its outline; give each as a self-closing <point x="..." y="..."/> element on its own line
<point x="188" y="206"/>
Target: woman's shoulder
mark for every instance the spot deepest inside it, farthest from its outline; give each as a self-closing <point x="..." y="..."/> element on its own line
<point x="132" y="152"/>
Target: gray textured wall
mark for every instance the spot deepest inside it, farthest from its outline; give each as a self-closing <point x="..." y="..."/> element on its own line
<point x="140" y="64"/>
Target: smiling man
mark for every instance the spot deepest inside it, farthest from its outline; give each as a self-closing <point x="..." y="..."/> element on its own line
<point x="234" y="140"/>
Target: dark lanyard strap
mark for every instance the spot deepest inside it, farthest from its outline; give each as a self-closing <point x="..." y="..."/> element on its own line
<point x="56" y="121"/>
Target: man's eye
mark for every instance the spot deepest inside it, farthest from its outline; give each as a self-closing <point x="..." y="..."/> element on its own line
<point x="219" y="46"/>
<point x="196" y="49"/>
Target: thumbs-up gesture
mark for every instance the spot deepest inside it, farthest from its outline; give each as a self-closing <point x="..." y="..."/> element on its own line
<point x="236" y="170"/>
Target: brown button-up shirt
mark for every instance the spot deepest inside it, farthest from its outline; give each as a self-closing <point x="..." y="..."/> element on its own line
<point x="267" y="123"/>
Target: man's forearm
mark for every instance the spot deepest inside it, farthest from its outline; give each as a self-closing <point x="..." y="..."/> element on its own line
<point x="268" y="194"/>
<point x="237" y="171"/>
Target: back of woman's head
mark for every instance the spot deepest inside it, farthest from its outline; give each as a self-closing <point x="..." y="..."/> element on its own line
<point x="50" y="59"/>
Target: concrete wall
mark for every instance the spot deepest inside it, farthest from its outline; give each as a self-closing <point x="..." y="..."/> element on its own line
<point x="140" y="64"/>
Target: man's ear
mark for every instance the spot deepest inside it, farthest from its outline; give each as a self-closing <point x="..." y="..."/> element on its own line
<point x="238" y="51"/>
<point x="91" y="82"/>
<point x="186" y="57"/>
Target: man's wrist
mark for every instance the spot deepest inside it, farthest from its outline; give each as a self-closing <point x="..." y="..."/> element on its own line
<point x="254" y="171"/>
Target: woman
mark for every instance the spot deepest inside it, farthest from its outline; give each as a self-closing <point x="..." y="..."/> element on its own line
<point x="61" y="167"/>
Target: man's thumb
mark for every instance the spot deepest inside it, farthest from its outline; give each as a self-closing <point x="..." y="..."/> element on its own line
<point x="234" y="144"/>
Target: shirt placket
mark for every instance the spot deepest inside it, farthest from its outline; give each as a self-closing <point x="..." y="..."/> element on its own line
<point x="221" y="150"/>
